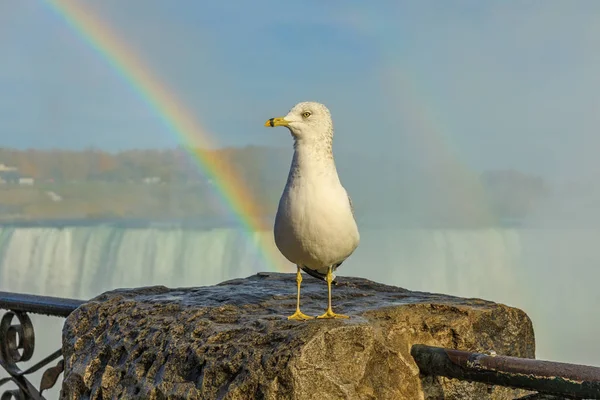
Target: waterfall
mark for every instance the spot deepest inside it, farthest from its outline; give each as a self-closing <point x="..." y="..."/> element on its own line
<point x="550" y="274"/>
<point x="82" y="262"/>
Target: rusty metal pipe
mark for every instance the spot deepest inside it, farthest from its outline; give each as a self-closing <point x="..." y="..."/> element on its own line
<point x="575" y="381"/>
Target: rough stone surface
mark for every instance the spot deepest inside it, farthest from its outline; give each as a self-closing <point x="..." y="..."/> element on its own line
<point x="233" y="341"/>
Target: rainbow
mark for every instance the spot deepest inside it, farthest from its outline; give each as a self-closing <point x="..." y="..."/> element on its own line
<point x="175" y="115"/>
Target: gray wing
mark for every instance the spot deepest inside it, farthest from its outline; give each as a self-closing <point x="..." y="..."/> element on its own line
<point x="351" y="205"/>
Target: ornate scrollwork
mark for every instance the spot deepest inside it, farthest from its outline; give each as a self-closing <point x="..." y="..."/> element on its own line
<point x="17" y="343"/>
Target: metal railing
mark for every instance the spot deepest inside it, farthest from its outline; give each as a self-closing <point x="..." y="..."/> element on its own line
<point x="549" y="379"/>
<point x="17" y="342"/>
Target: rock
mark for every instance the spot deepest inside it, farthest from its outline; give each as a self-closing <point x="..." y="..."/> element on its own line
<point x="233" y="341"/>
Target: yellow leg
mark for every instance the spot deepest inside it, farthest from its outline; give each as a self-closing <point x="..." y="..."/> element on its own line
<point x="329" y="313"/>
<point x="298" y="315"/>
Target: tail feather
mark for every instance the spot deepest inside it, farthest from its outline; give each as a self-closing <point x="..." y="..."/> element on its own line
<point x="319" y="275"/>
<point x="314" y="273"/>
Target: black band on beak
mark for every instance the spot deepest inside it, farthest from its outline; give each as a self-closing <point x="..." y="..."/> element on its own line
<point x="271" y="122"/>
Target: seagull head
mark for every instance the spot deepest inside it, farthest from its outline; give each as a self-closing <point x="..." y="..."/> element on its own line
<point x="307" y="121"/>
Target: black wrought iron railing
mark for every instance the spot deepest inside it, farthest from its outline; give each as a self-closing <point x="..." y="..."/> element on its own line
<point x="17" y="343"/>
<point x="548" y="380"/>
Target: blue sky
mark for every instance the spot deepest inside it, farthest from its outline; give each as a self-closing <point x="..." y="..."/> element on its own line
<point x="500" y="84"/>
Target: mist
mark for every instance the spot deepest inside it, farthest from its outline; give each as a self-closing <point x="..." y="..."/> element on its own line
<point x="465" y="133"/>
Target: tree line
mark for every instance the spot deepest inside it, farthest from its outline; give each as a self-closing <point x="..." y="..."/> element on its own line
<point x="95" y="164"/>
<point x="185" y="186"/>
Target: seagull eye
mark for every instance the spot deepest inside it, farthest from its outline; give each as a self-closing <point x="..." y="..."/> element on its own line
<point x="305" y="114"/>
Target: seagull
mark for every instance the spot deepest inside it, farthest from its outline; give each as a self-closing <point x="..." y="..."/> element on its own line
<point x="314" y="227"/>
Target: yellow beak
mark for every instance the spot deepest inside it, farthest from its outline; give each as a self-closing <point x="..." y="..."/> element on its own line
<point x="279" y="121"/>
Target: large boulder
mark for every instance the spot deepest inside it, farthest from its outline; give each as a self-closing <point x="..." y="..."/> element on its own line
<point x="233" y="341"/>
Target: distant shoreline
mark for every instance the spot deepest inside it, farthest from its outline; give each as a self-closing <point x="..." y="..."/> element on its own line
<point x="207" y="223"/>
<point x="130" y="223"/>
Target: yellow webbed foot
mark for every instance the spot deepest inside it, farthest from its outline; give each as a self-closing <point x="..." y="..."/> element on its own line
<point x="299" y="316"/>
<point x="330" y="314"/>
